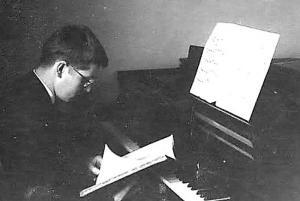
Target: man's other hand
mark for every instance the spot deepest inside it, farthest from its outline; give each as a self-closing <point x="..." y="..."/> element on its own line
<point x="94" y="164"/>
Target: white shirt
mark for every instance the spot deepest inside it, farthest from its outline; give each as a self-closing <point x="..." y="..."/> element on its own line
<point x="50" y="93"/>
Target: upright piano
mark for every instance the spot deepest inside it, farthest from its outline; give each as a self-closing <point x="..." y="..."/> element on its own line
<point x="219" y="156"/>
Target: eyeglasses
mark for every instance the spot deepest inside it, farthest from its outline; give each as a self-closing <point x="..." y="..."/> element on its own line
<point x="87" y="82"/>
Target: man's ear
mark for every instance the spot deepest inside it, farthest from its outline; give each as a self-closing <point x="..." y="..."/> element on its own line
<point x="59" y="67"/>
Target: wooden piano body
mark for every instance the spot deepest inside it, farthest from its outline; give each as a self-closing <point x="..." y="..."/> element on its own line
<point x="255" y="160"/>
<point x="261" y="156"/>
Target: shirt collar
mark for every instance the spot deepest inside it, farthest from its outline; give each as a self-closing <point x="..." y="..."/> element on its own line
<point x="50" y="93"/>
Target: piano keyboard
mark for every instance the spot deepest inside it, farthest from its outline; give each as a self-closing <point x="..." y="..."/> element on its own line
<point x="183" y="190"/>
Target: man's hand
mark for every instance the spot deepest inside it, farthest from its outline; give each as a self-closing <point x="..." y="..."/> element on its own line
<point x="95" y="164"/>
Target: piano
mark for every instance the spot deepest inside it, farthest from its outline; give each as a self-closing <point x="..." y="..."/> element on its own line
<point x="219" y="156"/>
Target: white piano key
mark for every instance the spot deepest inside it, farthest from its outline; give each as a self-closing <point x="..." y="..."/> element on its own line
<point x="181" y="189"/>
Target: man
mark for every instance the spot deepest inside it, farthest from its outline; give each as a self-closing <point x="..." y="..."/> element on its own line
<point x="38" y="140"/>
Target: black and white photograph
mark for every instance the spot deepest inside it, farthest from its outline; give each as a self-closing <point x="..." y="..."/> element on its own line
<point x="149" y="100"/>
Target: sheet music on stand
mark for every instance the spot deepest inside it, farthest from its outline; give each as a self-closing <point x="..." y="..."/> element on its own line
<point x="233" y="67"/>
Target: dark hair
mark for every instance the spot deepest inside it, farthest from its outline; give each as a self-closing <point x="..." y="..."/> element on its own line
<point x="75" y="44"/>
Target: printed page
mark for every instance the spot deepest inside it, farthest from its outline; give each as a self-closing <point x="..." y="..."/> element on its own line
<point x="233" y="66"/>
<point x="114" y="167"/>
<point x="206" y="84"/>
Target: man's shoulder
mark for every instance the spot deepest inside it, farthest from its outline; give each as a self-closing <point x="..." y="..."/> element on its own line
<point x="24" y="85"/>
<point x="25" y="90"/>
<point x="20" y="83"/>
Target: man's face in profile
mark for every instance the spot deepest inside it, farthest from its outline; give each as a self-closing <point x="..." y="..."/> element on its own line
<point x="74" y="82"/>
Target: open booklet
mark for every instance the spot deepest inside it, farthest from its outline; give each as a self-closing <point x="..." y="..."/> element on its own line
<point x="233" y="67"/>
<point x="114" y="167"/>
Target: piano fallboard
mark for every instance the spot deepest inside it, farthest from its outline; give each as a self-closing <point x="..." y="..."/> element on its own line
<point x="225" y="127"/>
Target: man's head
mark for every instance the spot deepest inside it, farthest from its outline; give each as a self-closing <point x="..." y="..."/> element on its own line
<point x="73" y="56"/>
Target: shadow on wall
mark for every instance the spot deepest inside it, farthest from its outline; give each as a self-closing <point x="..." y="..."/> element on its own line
<point x="19" y="48"/>
<point x="12" y="39"/>
<point x="107" y="90"/>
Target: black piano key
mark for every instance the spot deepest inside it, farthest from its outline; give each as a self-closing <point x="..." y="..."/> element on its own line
<point x="193" y="186"/>
<point x="210" y="183"/>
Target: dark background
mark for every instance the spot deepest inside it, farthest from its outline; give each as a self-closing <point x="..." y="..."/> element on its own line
<point x="138" y="34"/>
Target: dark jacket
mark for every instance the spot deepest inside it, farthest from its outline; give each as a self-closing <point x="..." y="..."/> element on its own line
<point x="40" y="145"/>
<point x="27" y="124"/>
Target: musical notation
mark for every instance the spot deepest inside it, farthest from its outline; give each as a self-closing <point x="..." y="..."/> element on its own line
<point x="233" y="66"/>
